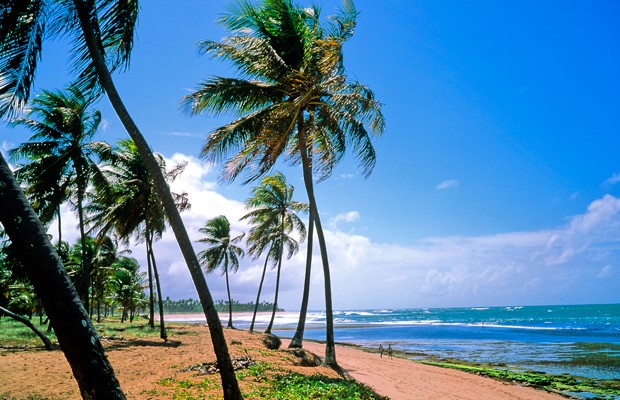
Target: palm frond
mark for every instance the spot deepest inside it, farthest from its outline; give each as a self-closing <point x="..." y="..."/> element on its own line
<point x="22" y="29"/>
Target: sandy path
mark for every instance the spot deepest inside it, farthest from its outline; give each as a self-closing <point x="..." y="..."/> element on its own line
<point x="401" y="379"/>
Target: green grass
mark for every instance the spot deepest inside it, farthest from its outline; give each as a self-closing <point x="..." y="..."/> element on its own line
<point x="293" y="386"/>
<point x="262" y="381"/>
<point x="16" y="334"/>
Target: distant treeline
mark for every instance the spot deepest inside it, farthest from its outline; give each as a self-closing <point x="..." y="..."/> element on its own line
<point x="193" y="306"/>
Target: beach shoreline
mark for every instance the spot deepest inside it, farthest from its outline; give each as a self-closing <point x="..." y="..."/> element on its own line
<point x="141" y="369"/>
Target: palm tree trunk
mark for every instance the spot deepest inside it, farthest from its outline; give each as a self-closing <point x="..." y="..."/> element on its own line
<point x="162" y="325"/>
<point x="77" y="338"/>
<point x="59" y="229"/>
<point x="85" y="280"/>
<point x="280" y="256"/>
<point x="298" y="337"/>
<point x="230" y="385"/>
<point x="330" y="348"/>
<point x="275" y="301"/>
<point x="150" y="277"/>
<point x="230" y="324"/>
<point x="260" y="288"/>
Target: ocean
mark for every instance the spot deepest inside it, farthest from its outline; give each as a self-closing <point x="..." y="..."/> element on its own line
<point x="581" y="340"/>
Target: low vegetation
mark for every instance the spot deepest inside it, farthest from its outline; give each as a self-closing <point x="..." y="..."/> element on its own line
<point x="262" y="373"/>
<point x="562" y="384"/>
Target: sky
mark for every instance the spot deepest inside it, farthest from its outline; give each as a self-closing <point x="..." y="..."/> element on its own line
<point x="497" y="179"/>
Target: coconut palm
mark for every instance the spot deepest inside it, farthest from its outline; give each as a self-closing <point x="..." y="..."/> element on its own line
<point x="101" y="33"/>
<point x="274" y="218"/>
<point x="45" y="195"/>
<point x="63" y="123"/>
<point x="126" y="202"/>
<point x="223" y="252"/>
<point x="127" y="286"/>
<point x="293" y="100"/>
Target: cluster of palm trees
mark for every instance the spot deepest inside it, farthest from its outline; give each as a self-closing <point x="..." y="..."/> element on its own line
<point x="293" y="100"/>
<point x="273" y="218"/>
<point x="117" y="283"/>
<point x="109" y="187"/>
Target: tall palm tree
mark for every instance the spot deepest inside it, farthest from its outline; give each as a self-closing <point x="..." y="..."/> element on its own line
<point x="102" y="33"/>
<point x="63" y="123"/>
<point x="127" y="203"/>
<point x="274" y="218"/>
<point x="293" y="100"/>
<point x="222" y="253"/>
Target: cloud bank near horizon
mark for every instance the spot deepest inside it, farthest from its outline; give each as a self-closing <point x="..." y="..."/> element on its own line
<point x="577" y="262"/>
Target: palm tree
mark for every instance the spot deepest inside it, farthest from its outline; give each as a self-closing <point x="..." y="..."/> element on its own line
<point x="223" y="252"/>
<point x="293" y="100"/>
<point x="127" y="203"/>
<point x="274" y="218"/>
<point x="63" y="122"/>
<point x="45" y="195"/>
<point x="127" y="285"/>
<point x="102" y="34"/>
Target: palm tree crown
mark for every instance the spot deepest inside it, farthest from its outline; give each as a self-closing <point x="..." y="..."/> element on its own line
<point x="291" y="69"/>
<point x="63" y="122"/>
<point x="292" y="99"/>
<point x="273" y="218"/>
<point x="222" y="251"/>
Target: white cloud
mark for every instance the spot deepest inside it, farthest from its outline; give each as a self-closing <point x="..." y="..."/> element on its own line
<point x="185" y="134"/>
<point x="448" y="184"/>
<point x="531" y="267"/>
<point x="350" y="216"/>
<point x="615" y="178"/>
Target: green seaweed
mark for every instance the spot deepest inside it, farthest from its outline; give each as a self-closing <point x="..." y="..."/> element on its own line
<point x="562" y="384"/>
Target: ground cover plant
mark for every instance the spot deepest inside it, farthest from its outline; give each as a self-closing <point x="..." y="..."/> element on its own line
<point x="561" y="384"/>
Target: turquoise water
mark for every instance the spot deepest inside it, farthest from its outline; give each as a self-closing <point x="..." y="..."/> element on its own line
<point x="582" y="340"/>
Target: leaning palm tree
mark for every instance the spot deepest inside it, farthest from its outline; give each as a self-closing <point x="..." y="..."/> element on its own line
<point x="63" y="123"/>
<point x="274" y="218"/>
<point x="293" y="100"/>
<point x="126" y="203"/>
<point x="101" y="33"/>
<point x="223" y="252"/>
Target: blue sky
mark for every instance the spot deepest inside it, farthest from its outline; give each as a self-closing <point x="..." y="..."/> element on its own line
<point x="497" y="175"/>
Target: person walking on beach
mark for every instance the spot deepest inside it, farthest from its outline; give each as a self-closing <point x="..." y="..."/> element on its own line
<point x="389" y="351"/>
<point x="381" y="350"/>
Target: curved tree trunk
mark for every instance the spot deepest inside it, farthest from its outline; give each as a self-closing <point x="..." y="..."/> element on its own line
<point x="160" y="301"/>
<point x="85" y="279"/>
<point x="275" y="301"/>
<point x="230" y="324"/>
<point x="59" y="229"/>
<point x="77" y="337"/>
<point x="151" y="291"/>
<point x="150" y="277"/>
<point x="330" y="348"/>
<point x="230" y="385"/>
<point x="46" y="342"/>
<point x="260" y="288"/>
<point x="298" y="337"/>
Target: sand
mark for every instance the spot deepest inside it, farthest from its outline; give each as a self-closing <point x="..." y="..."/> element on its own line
<point x="141" y="365"/>
<point x="402" y="379"/>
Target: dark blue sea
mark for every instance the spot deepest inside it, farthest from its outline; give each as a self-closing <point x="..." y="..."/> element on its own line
<point x="582" y="340"/>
